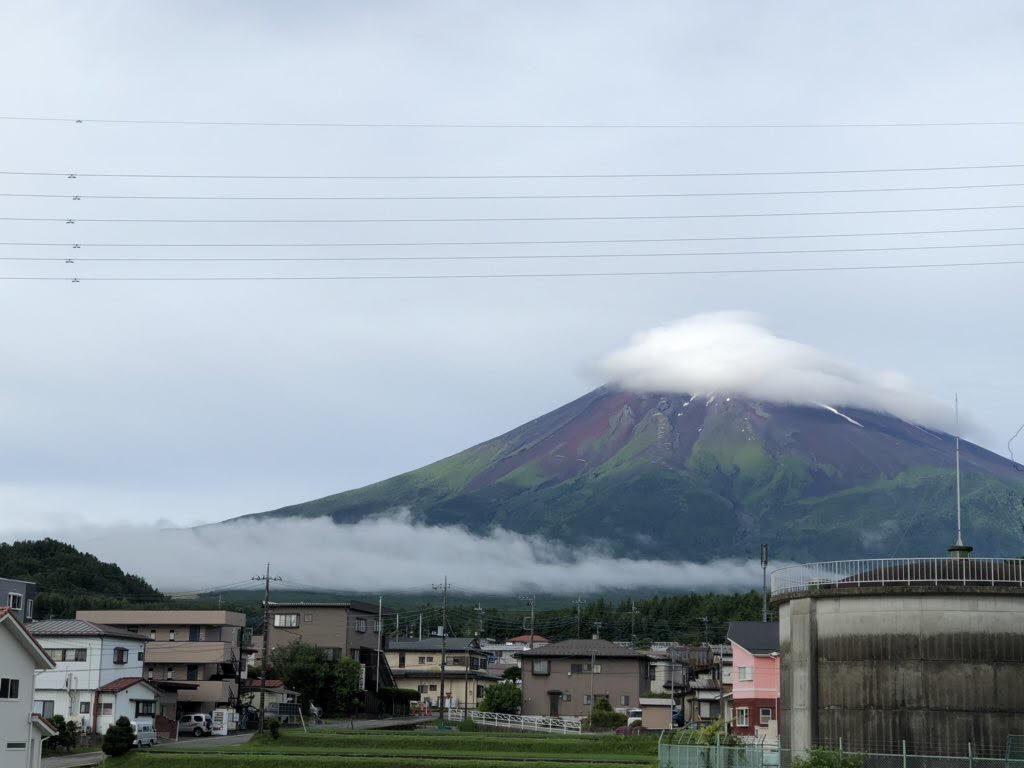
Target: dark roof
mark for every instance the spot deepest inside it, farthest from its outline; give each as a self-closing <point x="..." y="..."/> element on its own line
<point x="434" y="644"/>
<point x="79" y="628"/>
<point x="453" y="673"/>
<point x="602" y="649"/>
<point x="123" y="683"/>
<point x="756" y="637"/>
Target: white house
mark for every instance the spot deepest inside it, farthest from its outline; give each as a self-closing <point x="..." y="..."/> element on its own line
<point x="21" y="732"/>
<point x="97" y="677"/>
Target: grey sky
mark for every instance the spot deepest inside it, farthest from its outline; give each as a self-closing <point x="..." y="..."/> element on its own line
<point x="200" y="401"/>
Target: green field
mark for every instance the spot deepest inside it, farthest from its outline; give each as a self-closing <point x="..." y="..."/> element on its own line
<point x="410" y="749"/>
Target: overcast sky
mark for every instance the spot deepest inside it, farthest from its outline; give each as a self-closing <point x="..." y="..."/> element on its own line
<point x="199" y="401"/>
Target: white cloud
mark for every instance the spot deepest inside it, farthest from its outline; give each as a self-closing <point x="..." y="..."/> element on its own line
<point x="732" y="353"/>
<point x="387" y="553"/>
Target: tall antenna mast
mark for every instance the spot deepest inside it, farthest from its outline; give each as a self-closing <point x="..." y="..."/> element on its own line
<point x="958" y="550"/>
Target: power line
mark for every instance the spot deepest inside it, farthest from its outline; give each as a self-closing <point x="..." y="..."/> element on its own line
<point x="621" y="195"/>
<point x="496" y="257"/>
<point x="516" y="125"/>
<point x="524" y="275"/>
<point x="495" y="177"/>
<point x="469" y="219"/>
<point x="715" y="238"/>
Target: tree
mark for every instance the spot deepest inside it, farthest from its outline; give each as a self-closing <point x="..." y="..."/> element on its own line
<point x="119" y="737"/>
<point x="603" y="716"/>
<point x="344" y="682"/>
<point x="504" y="697"/>
<point x="512" y="673"/>
<point x="331" y="685"/>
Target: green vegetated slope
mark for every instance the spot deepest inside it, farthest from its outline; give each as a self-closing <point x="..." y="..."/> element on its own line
<point x="703" y="478"/>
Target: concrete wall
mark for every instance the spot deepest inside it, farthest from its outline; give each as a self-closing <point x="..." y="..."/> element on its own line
<point x="936" y="670"/>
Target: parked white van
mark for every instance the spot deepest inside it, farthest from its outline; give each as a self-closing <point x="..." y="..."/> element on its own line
<point x="145" y="734"/>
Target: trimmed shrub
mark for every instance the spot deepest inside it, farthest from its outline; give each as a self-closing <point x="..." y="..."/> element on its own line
<point x="119" y="738"/>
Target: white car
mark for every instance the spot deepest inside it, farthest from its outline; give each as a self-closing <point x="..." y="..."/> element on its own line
<point x="634" y="717"/>
<point x="145" y="734"/>
<point x="197" y="725"/>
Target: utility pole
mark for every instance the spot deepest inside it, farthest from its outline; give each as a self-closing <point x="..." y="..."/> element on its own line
<point x="380" y="635"/>
<point x="266" y="639"/>
<point x="632" y="622"/>
<point x="578" y="602"/>
<point x="480" y="620"/>
<point x="444" y="631"/>
<point x="593" y="661"/>
<point x="421" y="627"/>
<point x="764" y="582"/>
<point x="530" y="600"/>
<point x="707" y="640"/>
<point x="597" y="629"/>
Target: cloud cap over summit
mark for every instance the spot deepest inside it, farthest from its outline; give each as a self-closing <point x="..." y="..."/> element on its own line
<point x="733" y="353"/>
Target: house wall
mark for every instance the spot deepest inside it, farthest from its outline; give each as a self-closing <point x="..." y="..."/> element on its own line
<point x="15" y="725"/>
<point x="27" y="590"/>
<point x="455" y="687"/>
<point x="617" y="678"/>
<point x="766" y="670"/>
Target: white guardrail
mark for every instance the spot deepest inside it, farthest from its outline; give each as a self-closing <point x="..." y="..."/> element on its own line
<point x="839" y="574"/>
<point x="520" y="722"/>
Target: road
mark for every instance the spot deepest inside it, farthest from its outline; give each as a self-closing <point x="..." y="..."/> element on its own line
<point x="214" y="742"/>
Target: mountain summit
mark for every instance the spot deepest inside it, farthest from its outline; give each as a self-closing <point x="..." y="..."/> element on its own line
<point x="698" y="478"/>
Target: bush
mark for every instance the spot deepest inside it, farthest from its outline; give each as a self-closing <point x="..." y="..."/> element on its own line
<point x="468" y="725"/>
<point x="828" y="758"/>
<point x="119" y="738"/>
<point x="603" y="716"/>
<point x="709" y="736"/>
<point x="512" y="673"/>
<point x="274" y="726"/>
<point x="504" y="697"/>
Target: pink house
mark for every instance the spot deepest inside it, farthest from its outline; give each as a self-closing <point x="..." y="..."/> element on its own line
<point x="755" y="679"/>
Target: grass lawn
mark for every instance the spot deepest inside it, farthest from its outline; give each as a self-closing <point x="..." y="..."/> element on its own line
<point x="408" y="749"/>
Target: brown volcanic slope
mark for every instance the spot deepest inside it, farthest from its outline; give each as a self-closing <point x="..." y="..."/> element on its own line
<point x="700" y="478"/>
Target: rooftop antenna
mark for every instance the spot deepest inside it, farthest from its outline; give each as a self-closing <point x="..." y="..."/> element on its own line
<point x="958" y="550"/>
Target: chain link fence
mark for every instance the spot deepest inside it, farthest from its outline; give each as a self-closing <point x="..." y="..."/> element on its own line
<point x="691" y="756"/>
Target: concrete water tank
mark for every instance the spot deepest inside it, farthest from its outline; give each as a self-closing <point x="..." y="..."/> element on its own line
<point x="926" y="651"/>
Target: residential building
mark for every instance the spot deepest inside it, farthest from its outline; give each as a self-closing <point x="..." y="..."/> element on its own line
<point x="756" y="679"/>
<point x="350" y="629"/>
<point x="19" y="597"/>
<point x="200" y="652"/>
<point x="88" y="658"/>
<point x="416" y="664"/>
<point x="565" y="678"/>
<point x="21" y="732"/>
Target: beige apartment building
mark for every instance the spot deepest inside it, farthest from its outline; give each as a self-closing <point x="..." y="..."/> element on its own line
<point x="202" y="648"/>
<point x="564" y="679"/>
<point x="416" y="665"/>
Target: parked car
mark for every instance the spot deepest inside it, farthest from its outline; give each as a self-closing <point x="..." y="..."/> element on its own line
<point x="678" y="720"/>
<point x="145" y="734"/>
<point x="197" y="725"/>
<point x="634" y="717"/>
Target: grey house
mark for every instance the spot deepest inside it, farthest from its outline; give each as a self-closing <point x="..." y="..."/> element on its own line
<point x="20" y="597"/>
<point x="564" y="679"/>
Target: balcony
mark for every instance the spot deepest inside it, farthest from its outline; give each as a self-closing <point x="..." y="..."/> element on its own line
<point x="205" y="652"/>
<point x="209" y="691"/>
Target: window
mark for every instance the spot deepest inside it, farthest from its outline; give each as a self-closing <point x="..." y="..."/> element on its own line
<point x="9" y="687"/>
<point x="307" y="617"/>
<point x="577" y="669"/>
<point x="479" y="691"/>
<point x="458" y="661"/>
<point x="43" y="707"/>
<point x="146" y="708"/>
<point x="149" y="673"/>
<point x="195" y="634"/>
<point x="16" y="745"/>
<point x="742" y="715"/>
<point x="120" y="655"/>
<point x="376" y="625"/>
<point x="746" y="674"/>
<point x="624" y="700"/>
<point x="421" y="688"/>
<point x="170" y="635"/>
<point x="133" y="629"/>
<point x="433" y="687"/>
<point x="152" y="634"/>
<point x="766" y="715"/>
<point x="83" y="707"/>
<point x="107" y="708"/>
<point x="426" y="659"/>
<point x="401" y="659"/>
<point x="586" y="699"/>
<point x="170" y="673"/>
<point x="29" y="607"/>
<point x="541" y="667"/>
<point x="192" y="672"/>
<point x="286" y="619"/>
<point x="14" y="601"/>
<point x="140" y="655"/>
<point x="360" y="625"/>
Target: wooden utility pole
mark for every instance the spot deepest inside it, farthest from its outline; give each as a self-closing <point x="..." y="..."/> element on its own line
<point x="444" y="631"/>
<point x="380" y="634"/>
<point x="578" y="602"/>
<point x="531" y="600"/>
<point x="266" y="640"/>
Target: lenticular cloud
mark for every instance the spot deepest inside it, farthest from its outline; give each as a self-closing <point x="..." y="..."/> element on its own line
<point x="732" y="353"/>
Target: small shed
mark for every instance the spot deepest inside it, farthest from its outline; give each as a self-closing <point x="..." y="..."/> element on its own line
<point x="656" y="714"/>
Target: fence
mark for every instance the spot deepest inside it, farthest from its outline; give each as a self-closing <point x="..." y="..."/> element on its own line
<point x="520" y="722"/>
<point x="689" y="756"/>
<point x="838" y="574"/>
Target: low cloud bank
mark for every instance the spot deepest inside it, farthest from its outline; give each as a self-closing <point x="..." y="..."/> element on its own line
<point x="732" y="353"/>
<point x="389" y="553"/>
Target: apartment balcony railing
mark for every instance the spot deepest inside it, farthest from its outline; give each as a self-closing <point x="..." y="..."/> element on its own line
<point x="923" y="571"/>
<point x="202" y="652"/>
<point x="221" y="691"/>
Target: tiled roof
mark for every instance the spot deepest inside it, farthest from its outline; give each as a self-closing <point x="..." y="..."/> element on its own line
<point x="526" y="639"/>
<point x="602" y="649"/>
<point x="79" y="628"/>
<point x="123" y="683"/>
<point x="756" y="637"/>
<point x="434" y="644"/>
